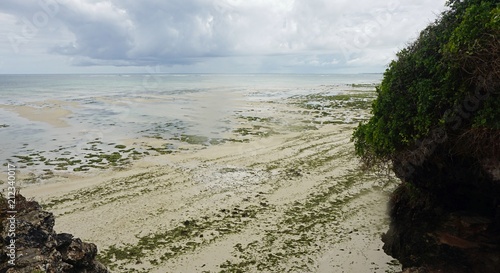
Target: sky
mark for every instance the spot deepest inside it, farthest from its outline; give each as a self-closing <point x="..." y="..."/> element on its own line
<point x="208" y="36"/>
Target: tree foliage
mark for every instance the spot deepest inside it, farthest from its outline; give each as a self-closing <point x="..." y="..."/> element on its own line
<point x="448" y="78"/>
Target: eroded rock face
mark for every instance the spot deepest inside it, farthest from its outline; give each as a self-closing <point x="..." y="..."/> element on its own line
<point x="39" y="248"/>
<point x="445" y="218"/>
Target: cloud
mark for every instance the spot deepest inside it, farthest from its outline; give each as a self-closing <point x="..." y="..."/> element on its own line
<point x="102" y="30"/>
<point x="322" y="33"/>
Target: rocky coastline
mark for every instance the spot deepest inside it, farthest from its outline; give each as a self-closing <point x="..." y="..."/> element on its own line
<point x="445" y="217"/>
<point x="37" y="247"/>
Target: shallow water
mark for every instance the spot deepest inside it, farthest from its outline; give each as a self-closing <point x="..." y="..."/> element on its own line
<point x="111" y="109"/>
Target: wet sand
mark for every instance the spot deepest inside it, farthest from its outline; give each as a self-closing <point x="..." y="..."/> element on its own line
<point x="52" y="112"/>
<point x="287" y="203"/>
<point x="294" y="200"/>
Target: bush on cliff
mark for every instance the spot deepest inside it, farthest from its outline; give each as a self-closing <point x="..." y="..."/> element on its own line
<point x="437" y="121"/>
<point x="444" y="87"/>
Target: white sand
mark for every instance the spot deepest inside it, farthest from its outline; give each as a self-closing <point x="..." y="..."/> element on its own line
<point x="278" y="178"/>
<point x="52" y="112"/>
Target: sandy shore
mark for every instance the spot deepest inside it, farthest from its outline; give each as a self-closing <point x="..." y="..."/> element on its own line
<point x="52" y="112"/>
<point x="282" y="192"/>
<point x="293" y="202"/>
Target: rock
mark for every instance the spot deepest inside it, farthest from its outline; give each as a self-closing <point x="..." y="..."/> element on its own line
<point x="39" y="248"/>
<point x="445" y="219"/>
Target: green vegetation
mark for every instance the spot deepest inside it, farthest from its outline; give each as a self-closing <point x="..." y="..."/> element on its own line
<point x="62" y="159"/>
<point x="257" y="130"/>
<point x="447" y="81"/>
<point x="351" y="101"/>
<point x="436" y="119"/>
<point x="258" y="119"/>
<point x="185" y="237"/>
<point x="303" y="225"/>
<point x="160" y="150"/>
<point x="360" y="85"/>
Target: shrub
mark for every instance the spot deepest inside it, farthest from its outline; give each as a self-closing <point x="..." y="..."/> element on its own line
<point x="447" y="79"/>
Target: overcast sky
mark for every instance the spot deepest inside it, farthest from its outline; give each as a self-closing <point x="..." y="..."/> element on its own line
<point x="207" y="36"/>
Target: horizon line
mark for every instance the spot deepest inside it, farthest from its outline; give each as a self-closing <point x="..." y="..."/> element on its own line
<point x="191" y="73"/>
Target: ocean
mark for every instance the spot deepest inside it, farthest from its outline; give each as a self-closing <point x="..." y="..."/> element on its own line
<point x="55" y="121"/>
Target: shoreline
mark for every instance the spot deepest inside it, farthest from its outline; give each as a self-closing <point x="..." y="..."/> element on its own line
<point x="108" y="147"/>
<point x="281" y="192"/>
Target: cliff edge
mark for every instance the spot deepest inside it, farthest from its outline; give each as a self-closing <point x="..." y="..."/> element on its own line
<point x="449" y="222"/>
<point x="436" y="124"/>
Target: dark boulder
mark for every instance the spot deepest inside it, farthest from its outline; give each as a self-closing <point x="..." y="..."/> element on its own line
<point x="38" y="247"/>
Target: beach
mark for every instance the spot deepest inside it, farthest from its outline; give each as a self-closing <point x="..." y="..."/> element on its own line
<point x="278" y="189"/>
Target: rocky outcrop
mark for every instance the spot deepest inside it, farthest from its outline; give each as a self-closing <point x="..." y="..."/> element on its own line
<point x="446" y="216"/>
<point x="38" y="248"/>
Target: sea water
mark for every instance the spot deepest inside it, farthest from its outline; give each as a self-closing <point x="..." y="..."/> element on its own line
<point x="115" y="107"/>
